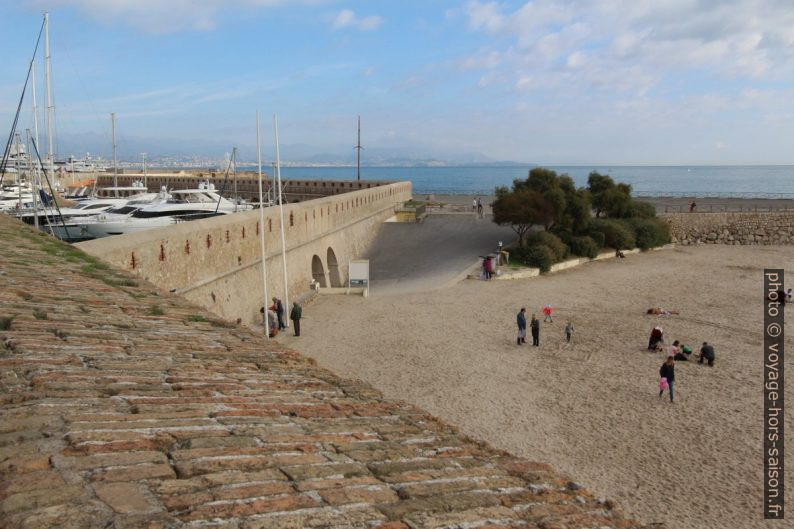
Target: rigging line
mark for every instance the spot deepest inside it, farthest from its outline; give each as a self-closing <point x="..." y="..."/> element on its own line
<point x="102" y="126"/>
<point x="52" y="191"/>
<point x="226" y="178"/>
<point x="7" y="152"/>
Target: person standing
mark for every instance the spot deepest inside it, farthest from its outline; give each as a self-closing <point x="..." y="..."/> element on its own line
<point x="474" y="204"/>
<point x="521" y="319"/>
<point x="707" y="353"/>
<point x="535" y="324"/>
<point x="668" y="371"/>
<point x="547" y="310"/>
<point x="295" y="315"/>
<point x="279" y="308"/>
<point x="568" y="331"/>
<point x="487" y="266"/>
<point x="479" y="207"/>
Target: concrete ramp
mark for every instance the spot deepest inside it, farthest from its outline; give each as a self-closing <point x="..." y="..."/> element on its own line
<point x="432" y="254"/>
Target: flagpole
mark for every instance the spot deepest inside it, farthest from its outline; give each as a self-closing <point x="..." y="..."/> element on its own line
<point x="262" y="226"/>
<point x="281" y="212"/>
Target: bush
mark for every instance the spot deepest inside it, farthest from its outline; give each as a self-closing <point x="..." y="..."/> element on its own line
<point x="584" y="246"/>
<point x="650" y="233"/>
<point x="538" y="256"/>
<point x="617" y="234"/>
<point x="544" y="238"/>
<point x="597" y="236"/>
<point x="641" y="210"/>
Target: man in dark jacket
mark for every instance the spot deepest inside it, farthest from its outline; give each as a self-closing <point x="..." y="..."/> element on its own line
<point x="279" y="313"/>
<point x="707" y="352"/>
<point x="521" y="319"/>
<point x="295" y="315"/>
<point x="535" y="324"/>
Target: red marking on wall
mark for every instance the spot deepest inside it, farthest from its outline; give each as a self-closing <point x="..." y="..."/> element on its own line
<point x="209" y="240"/>
<point x="228" y="238"/>
<point x="162" y="252"/>
<point x="133" y="263"/>
<point x="243" y="232"/>
<point x="270" y="225"/>
<point x="257" y="227"/>
<point x="187" y="247"/>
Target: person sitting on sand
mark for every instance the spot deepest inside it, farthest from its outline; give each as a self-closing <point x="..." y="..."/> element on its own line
<point x="706" y="352"/>
<point x="657" y="338"/>
<point x="674" y="349"/>
<point x="661" y="312"/>
<point x="683" y="354"/>
<point x="618" y="253"/>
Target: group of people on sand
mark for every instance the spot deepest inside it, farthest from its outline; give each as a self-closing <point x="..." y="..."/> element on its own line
<point x="476" y="206"/>
<point x="534" y="324"/>
<point x="677" y="352"/>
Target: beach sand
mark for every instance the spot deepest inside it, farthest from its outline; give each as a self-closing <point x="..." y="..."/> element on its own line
<point x="589" y="408"/>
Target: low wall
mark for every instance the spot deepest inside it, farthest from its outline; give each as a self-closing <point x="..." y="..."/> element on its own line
<point x="731" y="228"/>
<point x="216" y="262"/>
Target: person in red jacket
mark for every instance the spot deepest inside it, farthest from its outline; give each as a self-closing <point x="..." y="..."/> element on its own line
<point x="547" y="310"/>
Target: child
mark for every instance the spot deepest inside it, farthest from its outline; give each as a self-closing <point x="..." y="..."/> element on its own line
<point x="547" y="310"/>
<point x="568" y="331"/>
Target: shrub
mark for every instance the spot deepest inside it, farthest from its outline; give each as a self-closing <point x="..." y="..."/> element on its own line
<point x="538" y="256"/>
<point x="617" y="234"/>
<point x="641" y="210"/>
<point x="597" y="236"/>
<point x="650" y="233"/>
<point x="584" y="246"/>
<point x="544" y="238"/>
<point x="39" y="315"/>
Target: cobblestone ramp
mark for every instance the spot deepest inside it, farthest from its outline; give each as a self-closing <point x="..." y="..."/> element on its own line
<point x="125" y="407"/>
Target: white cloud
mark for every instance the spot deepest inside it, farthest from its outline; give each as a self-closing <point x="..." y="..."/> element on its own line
<point x="348" y="19"/>
<point x="625" y="44"/>
<point x="163" y="16"/>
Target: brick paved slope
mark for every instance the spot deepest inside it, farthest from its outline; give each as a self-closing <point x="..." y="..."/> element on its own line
<point x="125" y="407"/>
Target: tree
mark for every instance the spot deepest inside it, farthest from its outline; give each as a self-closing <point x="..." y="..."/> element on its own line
<point x="521" y="210"/>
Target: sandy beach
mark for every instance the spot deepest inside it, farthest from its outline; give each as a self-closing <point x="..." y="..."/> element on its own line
<point x="589" y="408"/>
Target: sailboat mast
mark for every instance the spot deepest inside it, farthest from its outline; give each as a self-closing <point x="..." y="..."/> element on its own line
<point x="115" y="161"/>
<point x="48" y="82"/>
<point x="358" y="148"/>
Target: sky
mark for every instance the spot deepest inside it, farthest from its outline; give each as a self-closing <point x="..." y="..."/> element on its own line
<point x="547" y="81"/>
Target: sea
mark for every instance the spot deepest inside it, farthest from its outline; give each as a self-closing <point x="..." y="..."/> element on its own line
<point x="740" y="181"/>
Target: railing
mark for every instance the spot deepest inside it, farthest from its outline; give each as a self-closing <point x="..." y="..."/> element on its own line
<point x="713" y="194"/>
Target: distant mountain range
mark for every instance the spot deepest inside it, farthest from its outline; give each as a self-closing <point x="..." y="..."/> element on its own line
<point x="129" y="149"/>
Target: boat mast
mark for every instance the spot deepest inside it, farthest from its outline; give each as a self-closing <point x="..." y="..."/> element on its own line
<point x="145" y="184"/>
<point x="115" y="162"/>
<point x="262" y="225"/>
<point x="48" y="82"/>
<point x="281" y="211"/>
<point x="358" y="151"/>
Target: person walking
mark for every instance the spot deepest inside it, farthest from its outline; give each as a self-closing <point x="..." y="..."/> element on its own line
<point x="487" y="266"/>
<point x="521" y="319"/>
<point x="568" y="331"/>
<point x="295" y="315"/>
<point x="474" y="204"/>
<point x="279" y="313"/>
<point x="547" y="310"/>
<point x="667" y="371"/>
<point x="479" y="207"/>
<point x="535" y="324"/>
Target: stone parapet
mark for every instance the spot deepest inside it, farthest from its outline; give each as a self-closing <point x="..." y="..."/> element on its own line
<point x="731" y="228"/>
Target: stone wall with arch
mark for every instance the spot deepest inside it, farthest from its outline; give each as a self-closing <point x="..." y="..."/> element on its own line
<point x="216" y="262"/>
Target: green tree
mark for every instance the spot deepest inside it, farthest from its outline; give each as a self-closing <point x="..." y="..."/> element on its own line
<point x="521" y="210"/>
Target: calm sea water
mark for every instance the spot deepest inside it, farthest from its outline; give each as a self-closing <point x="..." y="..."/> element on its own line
<point x="743" y="181"/>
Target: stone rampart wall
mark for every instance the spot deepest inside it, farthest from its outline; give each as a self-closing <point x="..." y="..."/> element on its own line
<point x="216" y="262"/>
<point x="731" y="228"/>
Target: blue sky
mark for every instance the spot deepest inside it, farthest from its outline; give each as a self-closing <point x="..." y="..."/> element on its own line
<point x="548" y="81"/>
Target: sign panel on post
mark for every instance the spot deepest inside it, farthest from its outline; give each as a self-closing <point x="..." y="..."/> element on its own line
<point x="358" y="274"/>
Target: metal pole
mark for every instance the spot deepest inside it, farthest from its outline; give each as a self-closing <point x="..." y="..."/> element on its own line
<point x="262" y="224"/>
<point x="48" y="78"/>
<point x="35" y="188"/>
<point x="115" y="162"/>
<point x="145" y="183"/>
<point x="358" y="151"/>
<point x="281" y="211"/>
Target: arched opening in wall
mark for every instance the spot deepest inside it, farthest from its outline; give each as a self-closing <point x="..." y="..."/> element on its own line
<point x="318" y="273"/>
<point x="333" y="269"/>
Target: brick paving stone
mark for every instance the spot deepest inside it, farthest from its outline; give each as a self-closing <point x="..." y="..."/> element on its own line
<point x="113" y="417"/>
